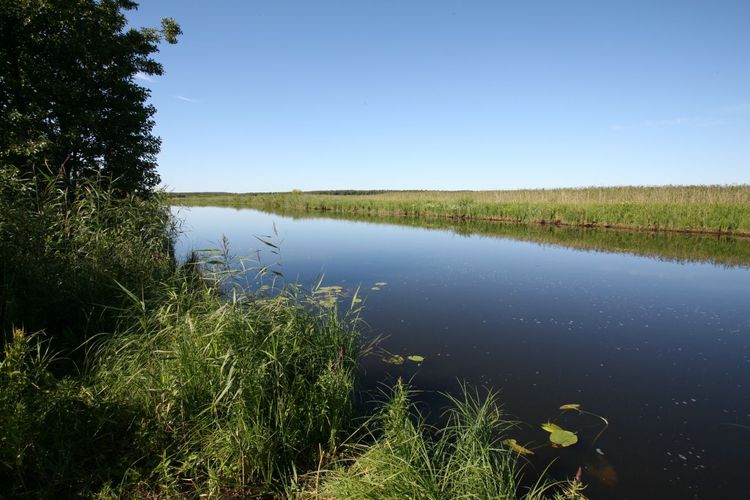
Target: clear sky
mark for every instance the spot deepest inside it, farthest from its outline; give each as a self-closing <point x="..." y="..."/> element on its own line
<point x="397" y="94"/>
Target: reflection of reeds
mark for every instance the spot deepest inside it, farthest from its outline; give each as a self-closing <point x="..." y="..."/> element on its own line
<point x="724" y="209"/>
<point x="721" y="250"/>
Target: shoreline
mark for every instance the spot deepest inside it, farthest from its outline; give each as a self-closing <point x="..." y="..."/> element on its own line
<point x="423" y="212"/>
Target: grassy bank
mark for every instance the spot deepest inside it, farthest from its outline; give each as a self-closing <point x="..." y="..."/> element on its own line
<point x="123" y="374"/>
<point x="708" y="209"/>
<point x="467" y="458"/>
<point x="199" y="396"/>
<point x="64" y="260"/>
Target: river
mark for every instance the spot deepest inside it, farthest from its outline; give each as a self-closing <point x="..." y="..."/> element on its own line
<point x="649" y="331"/>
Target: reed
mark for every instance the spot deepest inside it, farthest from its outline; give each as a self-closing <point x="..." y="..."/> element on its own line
<point x="181" y="385"/>
<point x="239" y="393"/>
<point x="403" y="457"/>
<point x="712" y="209"/>
<point x="62" y="254"/>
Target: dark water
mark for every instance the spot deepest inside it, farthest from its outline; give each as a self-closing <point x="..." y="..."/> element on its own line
<point x="653" y="334"/>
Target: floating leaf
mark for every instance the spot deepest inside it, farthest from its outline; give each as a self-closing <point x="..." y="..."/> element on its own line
<point x="416" y="358"/>
<point x="396" y="359"/>
<point x="513" y="444"/>
<point x="571" y="406"/>
<point x="550" y="427"/>
<point x="563" y="438"/>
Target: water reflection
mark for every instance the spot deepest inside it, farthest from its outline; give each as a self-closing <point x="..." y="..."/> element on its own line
<point x="672" y="246"/>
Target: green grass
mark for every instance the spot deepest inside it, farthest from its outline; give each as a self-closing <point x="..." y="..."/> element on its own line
<point x="405" y="458"/>
<point x="61" y="257"/>
<point x="124" y="375"/>
<point x="712" y="209"/>
<point x="198" y="396"/>
<point x="238" y="393"/>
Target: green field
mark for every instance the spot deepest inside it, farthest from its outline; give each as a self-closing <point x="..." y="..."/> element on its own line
<point x="703" y="209"/>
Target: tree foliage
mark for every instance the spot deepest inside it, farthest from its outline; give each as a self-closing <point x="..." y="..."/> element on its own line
<point x="69" y="101"/>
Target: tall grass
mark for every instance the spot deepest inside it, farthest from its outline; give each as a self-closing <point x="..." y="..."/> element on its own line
<point x="722" y="209"/>
<point x="183" y="389"/>
<point x="235" y="394"/>
<point x="405" y="458"/>
<point x="198" y="396"/>
<point x="58" y="439"/>
<point x="61" y="256"/>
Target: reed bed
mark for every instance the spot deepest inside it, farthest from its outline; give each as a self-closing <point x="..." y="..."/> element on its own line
<point x="200" y="396"/>
<point x="466" y="458"/>
<point x="143" y="379"/>
<point x="235" y="395"/>
<point x="712" y="209"/>
<point x="62" y="254"/>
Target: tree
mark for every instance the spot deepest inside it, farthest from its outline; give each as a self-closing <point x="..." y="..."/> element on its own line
<point x="69" y="102"/>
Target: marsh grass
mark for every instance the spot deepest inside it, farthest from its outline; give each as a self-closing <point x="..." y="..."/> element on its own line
<point x="722" y="209"/>
<point x="62" y="255"/>
<point x="201" y="395"/>
<point x="403" y="457"/>
<point x="238" y="392"/>
<point x="176" y="387"/>
<point x="58" y="439"/>
<point x="182" y="385"/>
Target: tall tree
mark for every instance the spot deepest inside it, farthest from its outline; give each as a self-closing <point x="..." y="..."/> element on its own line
<point x="69" y="102"/>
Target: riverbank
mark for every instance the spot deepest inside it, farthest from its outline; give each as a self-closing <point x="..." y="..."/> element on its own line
<point x="689" y="209"/>
<point x="126" y="374"/>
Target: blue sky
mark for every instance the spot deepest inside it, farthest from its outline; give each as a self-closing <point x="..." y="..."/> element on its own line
<point x="396" y="94"/>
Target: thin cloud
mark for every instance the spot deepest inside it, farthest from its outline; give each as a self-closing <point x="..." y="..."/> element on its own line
<point x="669" y="122"/>
<point x="681" y="121"/>
<point x="717" y="116"/>
<point x="186" y="99"/>
<point x="143" y="76"/>
<point x="736" y="109"/>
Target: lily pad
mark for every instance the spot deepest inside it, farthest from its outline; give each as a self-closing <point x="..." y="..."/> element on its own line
<point x="416" y="358"/>
<point x="571" y="406"/>
<point x="550" y="427"/>
<point x="563" y="438"/>
<point x="513" y="445"/>
<point x="396" y="359"/>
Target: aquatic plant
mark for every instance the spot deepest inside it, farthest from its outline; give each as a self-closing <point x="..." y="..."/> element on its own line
<point x="721" y="209"/>
<point x="400" y="456"/>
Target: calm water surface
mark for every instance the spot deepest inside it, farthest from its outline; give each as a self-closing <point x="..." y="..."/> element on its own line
<point x="659" y="347"/>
